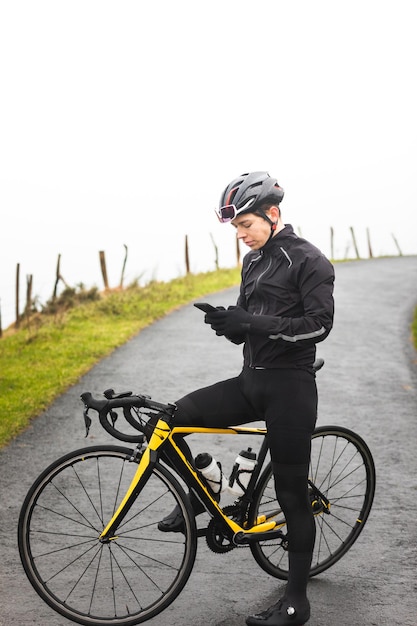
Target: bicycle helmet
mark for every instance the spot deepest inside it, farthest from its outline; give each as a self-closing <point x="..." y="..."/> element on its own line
<point x="249" y="193"/>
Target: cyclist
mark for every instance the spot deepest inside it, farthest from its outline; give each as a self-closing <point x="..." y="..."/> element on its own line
<point x="284" y="308"/>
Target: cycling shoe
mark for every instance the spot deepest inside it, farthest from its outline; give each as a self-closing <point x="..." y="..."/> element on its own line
<point x="174" y="521"/>
<point x="281" y="614"/>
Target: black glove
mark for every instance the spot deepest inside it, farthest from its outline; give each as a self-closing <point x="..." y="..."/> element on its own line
<point x="234" y="321"/>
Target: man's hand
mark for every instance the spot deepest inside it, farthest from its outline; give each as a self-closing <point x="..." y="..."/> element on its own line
<point x="234" y="321"/>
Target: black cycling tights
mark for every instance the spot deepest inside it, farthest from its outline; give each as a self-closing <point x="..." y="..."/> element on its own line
<point x="287" y="400"/>
<point x="292" y="494"/>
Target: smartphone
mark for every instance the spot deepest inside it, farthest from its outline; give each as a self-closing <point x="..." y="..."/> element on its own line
<point x="205" y="306"/>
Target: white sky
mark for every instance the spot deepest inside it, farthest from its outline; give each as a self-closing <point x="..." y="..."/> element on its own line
<point x="121" y="123"/>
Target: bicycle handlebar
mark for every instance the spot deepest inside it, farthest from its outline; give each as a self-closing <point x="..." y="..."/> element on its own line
<point x="126" y="401"/>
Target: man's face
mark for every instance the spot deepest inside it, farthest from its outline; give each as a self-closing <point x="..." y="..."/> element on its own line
<point x="252" y="229"/>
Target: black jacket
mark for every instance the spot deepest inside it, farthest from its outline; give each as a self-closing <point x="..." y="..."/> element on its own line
<point x="289" y="285"/>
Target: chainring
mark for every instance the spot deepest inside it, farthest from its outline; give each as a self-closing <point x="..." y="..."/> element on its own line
<point x="217" y="539"/>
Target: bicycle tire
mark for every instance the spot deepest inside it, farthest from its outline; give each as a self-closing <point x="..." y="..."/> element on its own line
<point x="125" y="581"/>
<point x="342" y="468"/>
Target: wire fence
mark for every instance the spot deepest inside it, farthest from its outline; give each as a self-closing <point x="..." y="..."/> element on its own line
<point x="24" y="307"/>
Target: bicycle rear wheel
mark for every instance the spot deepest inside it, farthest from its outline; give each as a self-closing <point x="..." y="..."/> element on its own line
<point x="125" y="581"/>
<point x="342" y="469"/>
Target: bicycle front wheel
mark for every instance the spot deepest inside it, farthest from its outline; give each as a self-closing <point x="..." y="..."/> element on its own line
<point x="122" y="582"/>
<point x="342" y="469"/>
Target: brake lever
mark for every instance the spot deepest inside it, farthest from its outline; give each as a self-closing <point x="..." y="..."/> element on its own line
<point x="87" y="421"/>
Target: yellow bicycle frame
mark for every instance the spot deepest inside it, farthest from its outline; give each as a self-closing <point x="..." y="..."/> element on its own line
<point x="161" y="433"/>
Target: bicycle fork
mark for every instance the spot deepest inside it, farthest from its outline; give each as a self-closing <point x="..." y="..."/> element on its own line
<point x="145" y="468"/>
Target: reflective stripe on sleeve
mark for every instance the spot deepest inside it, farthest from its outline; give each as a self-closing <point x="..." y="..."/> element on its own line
<point x="315" y="333"/>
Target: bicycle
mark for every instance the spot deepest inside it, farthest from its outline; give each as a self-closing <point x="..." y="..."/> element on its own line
<point x="88" y="528"/>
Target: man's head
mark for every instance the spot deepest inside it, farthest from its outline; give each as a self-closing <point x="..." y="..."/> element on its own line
<point x="247" y="202"/>
<point x="250" y="193"/>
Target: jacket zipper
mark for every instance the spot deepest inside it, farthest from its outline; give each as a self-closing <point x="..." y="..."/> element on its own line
<point x="262" y="306"/>
<point x="257" y="282"/>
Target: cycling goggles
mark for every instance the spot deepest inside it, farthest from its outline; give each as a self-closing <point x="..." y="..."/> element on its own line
<point x="228" y="212"/>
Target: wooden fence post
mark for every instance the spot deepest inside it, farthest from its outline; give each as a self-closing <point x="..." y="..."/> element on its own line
<point x="17" y="294"/>
<point x="368" y="237"/>
<point x="354" y="242"/>
<point x="123" y="268"/>
<point x="29" y="282"/>
<point x="216" y="252"/>
<point x="102" y="256"/>
<point x="187" y="256"/>
<point x="237" y="252"/>
<point x="56" y="277"/>
<point x="396" y="243"/>
<point x="331" y="242"/>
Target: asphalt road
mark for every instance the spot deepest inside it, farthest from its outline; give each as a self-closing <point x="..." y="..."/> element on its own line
<point x="369" y="384"/>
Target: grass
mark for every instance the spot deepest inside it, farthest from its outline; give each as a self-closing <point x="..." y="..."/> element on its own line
<point x="51" y="352"/>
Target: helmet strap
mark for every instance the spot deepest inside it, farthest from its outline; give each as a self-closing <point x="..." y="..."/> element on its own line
<point x="271" y="223"/>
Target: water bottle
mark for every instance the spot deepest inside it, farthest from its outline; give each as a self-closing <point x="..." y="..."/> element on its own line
<point x="242" y="472"/>
<point x="212" y="472"/>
